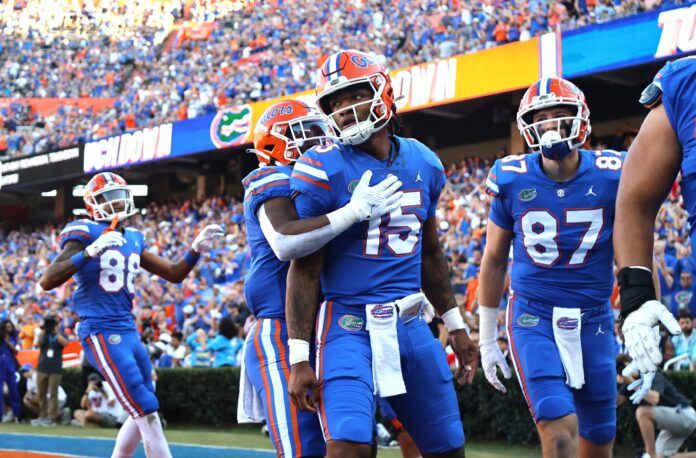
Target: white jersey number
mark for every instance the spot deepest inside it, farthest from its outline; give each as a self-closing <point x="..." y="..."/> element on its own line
<point x="540" y="230"/>
<point x="399" y="232"/>
<point x="114" y="273"/>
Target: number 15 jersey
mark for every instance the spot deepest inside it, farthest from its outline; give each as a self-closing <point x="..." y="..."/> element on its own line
<point x="379" y="261"/>
<point x="562" y="245"/>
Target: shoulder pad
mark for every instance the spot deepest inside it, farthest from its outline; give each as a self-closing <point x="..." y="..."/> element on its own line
<point x="651" y="95"/>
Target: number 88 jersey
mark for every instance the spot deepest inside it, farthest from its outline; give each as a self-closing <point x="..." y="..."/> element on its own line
<point x="103" y="298"/>
<point x="562" y="245"/>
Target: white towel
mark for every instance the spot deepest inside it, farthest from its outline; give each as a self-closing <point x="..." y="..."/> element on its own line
<point x="410" y="306"/>
<point x="384" y="341"/>
<point x="567" y="324"/>
<point x="249" y="404"/>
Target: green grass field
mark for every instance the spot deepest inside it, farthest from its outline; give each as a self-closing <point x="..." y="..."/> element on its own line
<point x="251" y="437"/>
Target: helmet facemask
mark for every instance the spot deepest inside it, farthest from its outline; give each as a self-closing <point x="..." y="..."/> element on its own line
<point x="566" y="132"/>
<point x="108" y="203"/>
<point x="378" y="117"/>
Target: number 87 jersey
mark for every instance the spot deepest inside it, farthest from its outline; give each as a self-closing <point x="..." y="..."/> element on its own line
<point x="562" y="245"/>
<point x="105" y="284"/>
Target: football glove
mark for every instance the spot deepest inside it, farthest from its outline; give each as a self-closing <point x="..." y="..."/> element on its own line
<point x="105" y="241"/>
<point x="492" y="359"/>
<point x="642" y="341"/>
<point x="369" y="202"/>
<point x="206" y="238"/>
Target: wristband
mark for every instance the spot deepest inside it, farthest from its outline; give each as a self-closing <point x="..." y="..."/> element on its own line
<point x="190" y="258"/>
<point x="488" y="324"/>
<point x="299" y="351"/>
<point x="342" y="219"/>
<point x="453" y="319"/>
<point x="636" y="287"/>
<point x="79" y="259"/>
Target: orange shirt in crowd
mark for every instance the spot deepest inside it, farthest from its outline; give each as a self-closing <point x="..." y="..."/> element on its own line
<point x="26" y="335"/>
<point x="471" y="289"/>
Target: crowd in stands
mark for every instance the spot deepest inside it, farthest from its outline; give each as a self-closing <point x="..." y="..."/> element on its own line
<point x="202" y="321"/>
<point x="162" y="62"/>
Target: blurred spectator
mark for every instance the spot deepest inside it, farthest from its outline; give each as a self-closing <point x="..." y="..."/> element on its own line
<point x="31" y="399"/>
<point x="49" y="371"/>
<point x="665" y="409"/>
<point x="99" y="406"/>
<point x="685" y="343"/>
<point x="8" y="367"/>
<point x="227" y="345"/>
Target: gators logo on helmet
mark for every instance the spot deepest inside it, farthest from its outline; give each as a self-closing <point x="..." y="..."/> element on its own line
<point x="231" y="126"/>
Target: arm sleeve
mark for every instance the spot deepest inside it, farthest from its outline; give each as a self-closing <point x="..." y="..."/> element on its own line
<point x="265" y="184"/>
<point x="76" y="230"/>
<point x="310" y="185"/>
<point x="287" y="247"/>
<point x="438" y="184"/>
<point x="500" y="214"/>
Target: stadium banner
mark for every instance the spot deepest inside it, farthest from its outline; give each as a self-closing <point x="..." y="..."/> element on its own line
<point x="634" y="40"/>
<point x="41" y="167"/>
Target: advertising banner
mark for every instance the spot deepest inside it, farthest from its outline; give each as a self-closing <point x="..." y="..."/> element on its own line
<point x="635" y="40"/>
<point x="41" y="167"/>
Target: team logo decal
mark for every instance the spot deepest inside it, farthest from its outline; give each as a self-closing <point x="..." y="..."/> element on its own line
<point x="362" y="61"/>
<point x="114" y="339"/>
<point x="351" y="323"/>
<point x="527" y="194"/>
<point x="352" y="185"/>
<point x="527" y="321"/>
<point x="382" y="312"/>
<point x="567" y="323"/>
<point x="231" y="127"/>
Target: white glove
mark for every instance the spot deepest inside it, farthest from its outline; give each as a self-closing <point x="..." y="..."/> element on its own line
<point x="369" y="202"/>
<point x="205" y="239"/>
<point x="491" y="359"/>
<point x="105" y="241"/>
<point x="642" y="342"/>
<point x="641" y="385"/>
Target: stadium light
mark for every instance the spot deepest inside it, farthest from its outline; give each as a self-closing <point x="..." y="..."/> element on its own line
<point x="139" y="190"/>
<point x="78" y="191"/>
<point x="51" y="193"/>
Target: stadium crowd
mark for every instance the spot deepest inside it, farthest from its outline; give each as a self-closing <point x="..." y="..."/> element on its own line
<point x="174" y="59"/>
<point x="202" y="321"/>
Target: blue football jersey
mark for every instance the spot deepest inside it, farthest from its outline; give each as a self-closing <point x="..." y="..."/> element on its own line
<point x="677" y="80"/>
<point x="103" y="298"/>
<point x="380" y="260"/>
<point x="264" y="287"/>
<point x="562" y="245"/>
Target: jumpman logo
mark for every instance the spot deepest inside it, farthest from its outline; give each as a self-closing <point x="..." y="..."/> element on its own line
<point x="590" y="192"/>
<point x="418" y="177"/>
<point x="599" y="330"/>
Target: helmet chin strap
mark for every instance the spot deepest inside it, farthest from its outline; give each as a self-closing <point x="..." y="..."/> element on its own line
<point x="552" y="148"/>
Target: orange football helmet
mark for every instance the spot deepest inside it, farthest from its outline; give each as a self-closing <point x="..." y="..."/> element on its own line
<point x="107" y="196"/>
<point x="571" y="131"/>
<point x="348" y="68"/>
<point x="286" y="130"/>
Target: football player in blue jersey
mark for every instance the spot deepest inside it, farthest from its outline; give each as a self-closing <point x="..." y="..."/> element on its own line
<point x="556" y="206"/>
<point x="105" y="258"/>
<point x="284" y="131"/>
<point x="666" y="144"/>
<point x="371" y="338"/>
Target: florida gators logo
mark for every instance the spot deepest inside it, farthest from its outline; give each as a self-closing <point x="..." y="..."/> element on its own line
<point x="382" y="312"/>
<point x="231" y="127"/>
<point x="567" y="323"/>
<point x="362" y="61"/>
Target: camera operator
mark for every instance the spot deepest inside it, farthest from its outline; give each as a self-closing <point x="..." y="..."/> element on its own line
<point x="49" y="370"/>
<point x="8" y="366"/>
<point x="99" y="406"/>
